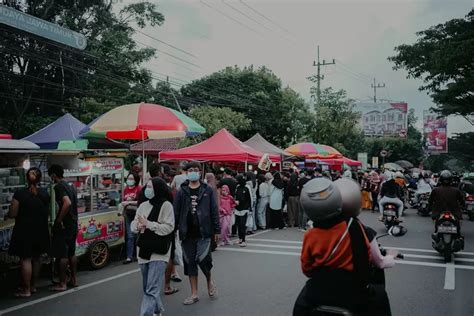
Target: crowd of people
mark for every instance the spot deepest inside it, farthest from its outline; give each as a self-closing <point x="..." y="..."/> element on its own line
<point x="179" y="219"/>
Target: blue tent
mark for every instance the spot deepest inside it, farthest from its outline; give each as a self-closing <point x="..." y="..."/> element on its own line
<point x="67" y="127"/>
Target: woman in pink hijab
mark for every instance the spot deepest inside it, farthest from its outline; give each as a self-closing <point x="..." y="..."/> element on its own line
<point x="226" y="207"/>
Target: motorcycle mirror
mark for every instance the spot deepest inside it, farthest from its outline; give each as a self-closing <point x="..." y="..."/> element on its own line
<point x="397" y="231"/>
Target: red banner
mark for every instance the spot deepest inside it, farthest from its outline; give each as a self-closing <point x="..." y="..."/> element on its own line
<point x="435" y="131"/>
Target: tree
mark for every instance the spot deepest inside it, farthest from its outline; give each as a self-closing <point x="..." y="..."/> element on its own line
<point x="442" y="57"/>
<point x="213" y="119"/>
<point x="44" y="78"/>
<point x="258" y="94"/>
<point x="335" y="123"/>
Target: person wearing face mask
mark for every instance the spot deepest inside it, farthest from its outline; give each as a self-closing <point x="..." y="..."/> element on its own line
<point x="30" y="236"/>
<point x="155" y="224"/>
<point x="130" y="202"/>
<point x="197" y="219"/>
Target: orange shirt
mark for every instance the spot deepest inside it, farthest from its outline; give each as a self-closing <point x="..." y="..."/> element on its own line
<point x="318" y="244"/>
<point x="400" y="182"/>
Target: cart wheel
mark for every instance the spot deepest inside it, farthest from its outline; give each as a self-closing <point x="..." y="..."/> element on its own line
<point x="98" y="255"/>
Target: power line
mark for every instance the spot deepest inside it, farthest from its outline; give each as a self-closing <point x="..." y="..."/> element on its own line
<point x="170" y="55"/>
<point x="318" y="77"/>
<point x="265" y="17"/>
<point x="354" y="71"/>
<point x="163" y="42"/>
<point x="230" y="17"/>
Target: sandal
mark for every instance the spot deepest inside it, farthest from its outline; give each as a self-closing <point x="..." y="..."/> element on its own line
<point x="213" y="290"/>
<point x="175" y="278"/>
<point x="57" y="289"/>
<point x="22" y="295"/>
<point x="171" y="291"/>
<point x="191" y="300"/>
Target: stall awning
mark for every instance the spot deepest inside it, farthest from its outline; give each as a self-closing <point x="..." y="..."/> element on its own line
<point x="259" y="143"/>
<point x="223" y="147"/>
<point x="67" y="127"/>
<point x="155" y="146"/>
<point x="17" y="144"/>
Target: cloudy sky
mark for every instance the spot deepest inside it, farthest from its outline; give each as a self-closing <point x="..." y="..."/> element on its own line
<point x="283" y="35"/>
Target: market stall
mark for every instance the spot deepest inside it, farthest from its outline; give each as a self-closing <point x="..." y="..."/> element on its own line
<point x="221" y="147"/>
<point x="14" y="159"/>
<point x="98" y="179"/>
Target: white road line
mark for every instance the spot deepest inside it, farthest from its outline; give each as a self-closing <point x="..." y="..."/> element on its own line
<point x="273" y="246"/>
<point x="53" y="296"/>
<point x="428" y="250"/>
<point x="256" y="234"/>
<point x="278" y="241"/>
<point x="407" y="255"/>
<point x="261" y="251"/>
<point x="449" y="277"/>
<point x="405" y="262"/>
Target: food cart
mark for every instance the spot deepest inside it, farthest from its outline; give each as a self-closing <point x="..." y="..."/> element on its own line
<point x="98" y="179"/>
<point x="14" y="159"/>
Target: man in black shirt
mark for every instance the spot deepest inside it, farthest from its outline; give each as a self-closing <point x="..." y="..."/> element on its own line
<point x="65" y="228"/>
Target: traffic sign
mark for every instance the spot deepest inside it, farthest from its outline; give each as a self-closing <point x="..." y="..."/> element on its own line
<point x="28" y="23"/>
<point x="383" y="153"/>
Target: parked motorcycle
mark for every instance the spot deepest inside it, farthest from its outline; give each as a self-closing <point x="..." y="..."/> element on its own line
<point x="377" y="278"/>
<point x="423" y="204"/>
<point x="447" y="239"/>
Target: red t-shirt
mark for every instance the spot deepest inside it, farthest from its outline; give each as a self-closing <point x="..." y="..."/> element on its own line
<point x="131" y="193"/>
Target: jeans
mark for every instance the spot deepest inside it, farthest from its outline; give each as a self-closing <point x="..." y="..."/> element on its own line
<point x="153" y="274"/>
<point x="303" y="219"/>
<point x="130" y="238"/>
<point x="396" y="201"/>
<point x="261" y="212"/>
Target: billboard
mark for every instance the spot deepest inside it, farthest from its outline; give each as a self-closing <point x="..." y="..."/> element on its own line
<point x="383" y="119"/>
<point x="435" y="132"/>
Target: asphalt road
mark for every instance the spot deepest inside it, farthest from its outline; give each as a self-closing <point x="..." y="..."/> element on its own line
<point x="265" y="279"/>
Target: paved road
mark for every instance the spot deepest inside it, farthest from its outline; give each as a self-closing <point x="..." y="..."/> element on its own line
<point x="265" y="278"/>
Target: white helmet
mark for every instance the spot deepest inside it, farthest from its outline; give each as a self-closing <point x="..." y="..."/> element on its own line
<point x="399" y="174"/>
<point x="388" y="175"/>
<point x="350" y="194"/>
<point x="347" y="174"/>
<point x="321" y="199"/>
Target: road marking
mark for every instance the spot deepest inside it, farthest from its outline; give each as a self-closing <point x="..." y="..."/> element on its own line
<point x="405" y="262"/>
<point x="56" y="295"/>
<point x="407" y="255"/>
<point x="273" y="246"/>
<point x="449" y="277"/>
<point x="261" y="251"/>
<point x="256" y="234"/>
<point x="428" y="250"/>
<point x="279" y="241"/>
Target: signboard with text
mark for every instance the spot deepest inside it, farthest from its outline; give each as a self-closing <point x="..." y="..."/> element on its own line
<point x="435" y="132"/>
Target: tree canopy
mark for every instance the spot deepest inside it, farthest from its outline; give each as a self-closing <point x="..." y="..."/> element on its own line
<point x="41" y="78"/>
<point x="443" y="58"/>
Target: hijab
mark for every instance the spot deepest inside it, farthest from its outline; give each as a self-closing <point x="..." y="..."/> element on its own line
<point x="277" y="181"/>
<point x="162" y="192"/>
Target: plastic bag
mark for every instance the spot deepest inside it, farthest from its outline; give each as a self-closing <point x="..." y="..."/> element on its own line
<point x="178" y="252"/>
<point x="249" y="223"/>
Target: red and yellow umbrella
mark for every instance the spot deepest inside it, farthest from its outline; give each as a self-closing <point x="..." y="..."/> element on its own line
<point x="142" y="121"/>
<point x="313" y="151"/>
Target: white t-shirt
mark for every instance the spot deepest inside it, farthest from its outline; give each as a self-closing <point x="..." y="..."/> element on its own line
<point x="163" y="226"/>
<point x="178" y="180"/>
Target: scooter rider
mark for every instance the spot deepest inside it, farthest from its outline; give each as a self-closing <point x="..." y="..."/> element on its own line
<point x="446" y="198"/>
<point x="391" y="193"/>
<point x="336" y="253"/>
<point x="425" y="185"/>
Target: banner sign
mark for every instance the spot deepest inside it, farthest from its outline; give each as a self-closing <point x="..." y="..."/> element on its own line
<point x="435" y="132"/>
<point x="383" y="119"/>
<point x="34" y="25"/>
<point x="362" y="157"/>
<point x="375" y="162"/>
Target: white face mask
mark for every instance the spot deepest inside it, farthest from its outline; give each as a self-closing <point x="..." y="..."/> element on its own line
<point x="149" y="193"/>
<point x="130" y="183"/>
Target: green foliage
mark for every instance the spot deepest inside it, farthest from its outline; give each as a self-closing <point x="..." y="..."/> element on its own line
<point x="442" y="57"/>
<point x="46" y="78"/>
<point x="215" y="118"/>
<point x="258" y="94"/>
<point x="335" y="123"/>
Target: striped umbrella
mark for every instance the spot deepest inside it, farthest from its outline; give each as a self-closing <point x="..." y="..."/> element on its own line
<point x="142" y="121"/>
<point x="313" y="151"/>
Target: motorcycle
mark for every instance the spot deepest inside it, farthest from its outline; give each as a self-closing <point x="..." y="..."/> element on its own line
<point x="377" y="278"/>
<point x="423" y="204"/>
<point x="469" y="202"/>
<point x="389" y="215"/>
<point x="447" y="239"/>
<point x="411" y="197"/>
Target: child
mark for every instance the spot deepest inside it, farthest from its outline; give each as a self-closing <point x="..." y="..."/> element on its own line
<point x="227" y="205"/>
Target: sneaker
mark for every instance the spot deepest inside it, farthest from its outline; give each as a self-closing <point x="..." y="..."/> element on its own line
<point x="127" y="261"/>
<point x="238" y="242"/>
<point x="243" y="244"/>
<point x="221" y="244"/>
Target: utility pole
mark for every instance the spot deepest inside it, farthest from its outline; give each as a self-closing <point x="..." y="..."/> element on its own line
<point x="377" y="86"/>
<point x="317" y="78"/>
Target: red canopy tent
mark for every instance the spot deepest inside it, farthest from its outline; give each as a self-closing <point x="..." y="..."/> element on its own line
<point x="222" y="147"/>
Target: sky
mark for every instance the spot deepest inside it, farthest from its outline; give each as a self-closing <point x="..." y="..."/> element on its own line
<point x="283" y="35"/>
